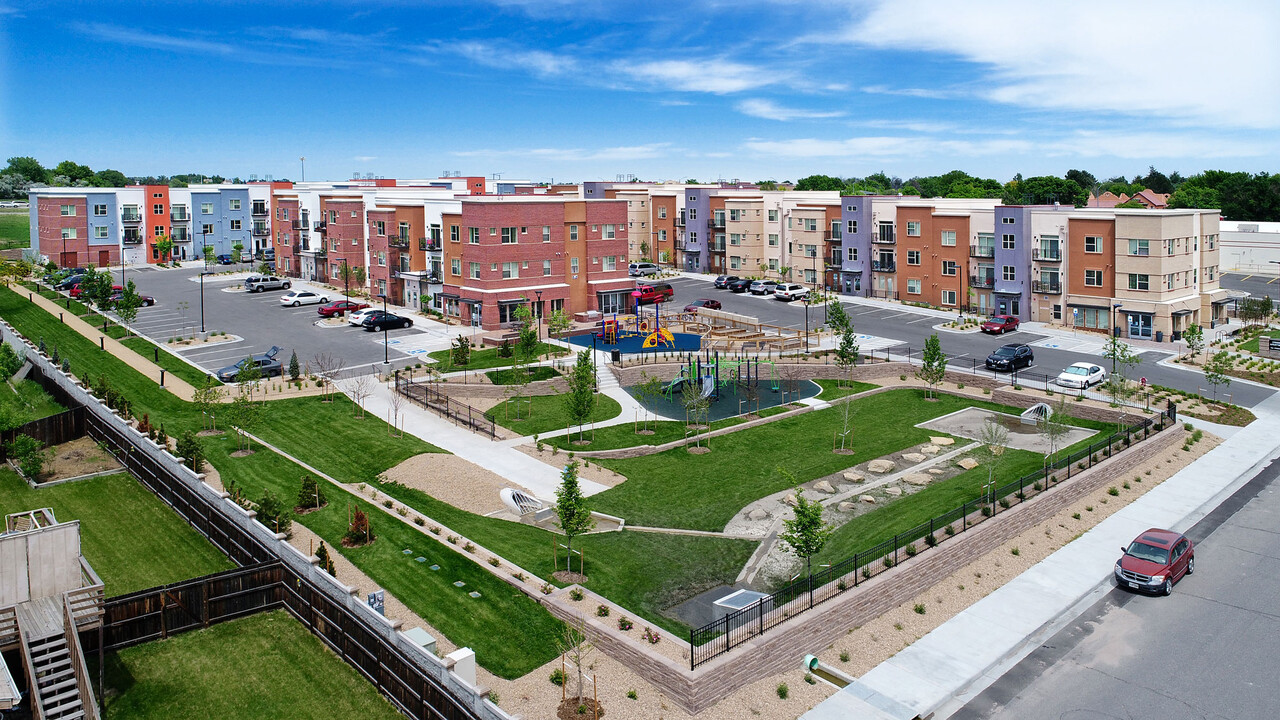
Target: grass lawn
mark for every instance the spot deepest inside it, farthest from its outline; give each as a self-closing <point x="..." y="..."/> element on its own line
<point x="1251" y="344"/>
<point x="488" y="358"/>
<point x="702" y="492"/>
<point x="264" y="665"/>
<point x="546" y="413"/>
<point x="644" y="572"/>
<point x="835" y="389"/>
<point x="509" y="377"/>
<point x="27" y="400"/>
<point x="171" y="363"/>
<point x="15" y="230"/>
<point x="133" y="540"/>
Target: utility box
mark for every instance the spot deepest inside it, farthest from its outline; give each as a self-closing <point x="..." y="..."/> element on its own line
<point x="464" y="664"/>
<point x="422" y="639"/>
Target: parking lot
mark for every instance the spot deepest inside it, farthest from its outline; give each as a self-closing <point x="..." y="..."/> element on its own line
<point x="261" y="322"/>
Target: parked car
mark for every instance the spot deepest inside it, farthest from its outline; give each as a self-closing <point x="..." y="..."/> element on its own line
<point x="260" y="283"/>
<point x="268" y="255"/>
<point x="763" y="287"/>
<point x="1010" y="357"/>
<point x="357" y="318"/>
<point x="638" y="269"/>
<point x="790" y="291"/>
<point x="702" y="303"/>
<point x="266" y="363"/>
<point x="654" y="293"/>
<point x="294" y="298"/>
<point x="78" y="289"/>
<point x="1000" y="324"/>
<point x="1155" y="560"/>
<point x="739" y="285"/>
<point x="147" y="300"/>
<point x="385" y="320"/>
<point x="69" y="281"/>
<point x="723" y="281"/>
<point x="246" y="256"/>
<point x="223" y="259"/>
<point x="340" y="307"/>
<point x="1082" y="375"/>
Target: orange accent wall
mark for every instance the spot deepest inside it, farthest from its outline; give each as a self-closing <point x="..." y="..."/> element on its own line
<point x="1079" y="260"/>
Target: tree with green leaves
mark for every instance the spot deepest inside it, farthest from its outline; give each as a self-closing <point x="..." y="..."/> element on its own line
<point x="207" y="399"/>
<point x="311" y="494"/>
<point x="109" y="178"/>
<point x="244" y="414"/>
<point x="649" y="388"/>
<point x="664" y="257"/>
<point x="1044" y="190"/>
<point x="207" y="252"/>
<point x="933" y="365"/>
<point x="558" y="323"/>
<point x="696" y="406"/>
<point x="820" y="183"/>
<point x="527" y="339"/>
<point x="806" y="533"/>
<point x="644" y="249"/>
<point x="164" y="246"/>
<point x="248" y="375"/>
<point x="273" y="514"/>
<point x="361" y="276"/>
<point x="347" y="274"/>
<point x="580" y="400"/>
<point x="126" y="308"/>
<point x="238" y="251"/>
<point x="1193" y="336"/>
<point x="1054" y="425"/>
<point x="1122" y="357"/>
<point x="460" y="353"/>
<point x="847" y="345"/>
<point x="571" y="508"/>
<point x="1217" y="369"/>
<point x="295" y="371"/>
<point x="29" y="168"/>
<point x="325" y="562"/>
<point x="191" y="450"/>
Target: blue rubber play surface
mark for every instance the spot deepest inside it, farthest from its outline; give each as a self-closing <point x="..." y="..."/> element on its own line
<point x="732" y="399"/>
<point x="630" y="343"/>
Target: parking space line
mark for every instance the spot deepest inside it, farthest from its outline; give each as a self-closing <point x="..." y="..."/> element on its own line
<point x="913" y="322"/>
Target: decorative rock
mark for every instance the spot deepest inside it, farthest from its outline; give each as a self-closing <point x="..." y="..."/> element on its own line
<point x="894" y="491"/>
<point x="917" y="479"/>
<point x="854" y="477"/>
<point x="942" y="440"/>
<point x="929" y="449"/>
<point x="846" y="506"/>
<point x="882" y="466"/>
<point x="913" y="458"/>
<point x="823" y="486"/>
<point x="757" y="514"/>
<point x="935" y="471"/>
<point x="867" y="499"/>
<point x="968" y="463"/>
<point x="790" y="499"/>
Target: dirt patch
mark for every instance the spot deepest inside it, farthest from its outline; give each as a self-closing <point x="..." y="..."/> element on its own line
<point x="81" y="456"/>
<point x="566" y="576"/>
<point x="210" y="433"/>
<point x="699" y="450"/>
<point x="571" y="709"/>
<point x="242" y="453"/>
<point x="558" y="458"/>
<point x="451" y="479"/>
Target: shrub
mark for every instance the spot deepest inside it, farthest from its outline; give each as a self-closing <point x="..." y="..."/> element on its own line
<point x="1020" y="495"/>
<point x="866" y="573"/>
<point x="888" y="562"/>
<point x="1075" y="516"/>
<point x="359" y="531"/>
<point x="575" y="595"/>
<point x="495" y="561"/>
<point x="272" y="513"/>
<point x="435" y="529"/>
<point x="1004" y="503"/>
<point x="625" y="624"/>
<point x="547" y="588"/>
<point x="930" y="540"/>
<point x="902" y="378"/>
<point x="311" y="494"/>
<point x="1126" y="485"/>
<point x="919" y="608"/>
<point x="1015" y="552"/>
<point x="469" y="547"/>
<point x="493" y="697"/>
<point x="959" y="386"/>
<point x="1037" y="486"/>
<point x="29" y="454"/>
<point x="842" y="586"/>
<point x="1188" y="426"/>
<point x="986" y="391"/>
<point x="1088" y="508"/>
<point x="844" y="657"/>
<point x="518" y="576"/>
<point x="557" y="677"/>
<point x="652" y="636"/>
<point x="1113" y="491"/>
<point x="949" y="530"/>
<point x="453" y="539"/>
<point x="419" y="521"/>
<point x="808" y="677"/>
<point x="910" y="549"/>
<point x="602" y="611"/>
<point x="986" y="511"/>
<point x="782" y="691"/>
<point x="326" y="562"/>
<point x="631" y="695"/>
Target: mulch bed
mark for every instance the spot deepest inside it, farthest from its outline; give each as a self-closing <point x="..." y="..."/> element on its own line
<point x="570" y="707"/>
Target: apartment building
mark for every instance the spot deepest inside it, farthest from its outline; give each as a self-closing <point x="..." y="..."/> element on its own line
<point x="551" y="253"/>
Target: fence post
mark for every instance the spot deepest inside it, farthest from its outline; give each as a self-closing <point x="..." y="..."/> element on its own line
<point x="760" y="606"/>
<point x="810" y="591"/>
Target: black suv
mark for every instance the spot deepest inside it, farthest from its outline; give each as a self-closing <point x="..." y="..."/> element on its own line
<point x="1010" y="357"/>
<point x="379" y="320"/>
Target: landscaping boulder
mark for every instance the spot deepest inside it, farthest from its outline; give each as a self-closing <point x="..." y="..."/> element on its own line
<point x="846" y="506"/>
<point x="942" y="440"/>
<point x="930" y="449"/>
<point x="823" y="486"/>
<point x="968" y="463"/>
<point x="935" y="471"/>
<point x="854" y="477"/>
<point x="913" y="458"/>
<point x="757" y="514"/>
<point x="882" y="466"/>
<point x="917" y="479"/>
<point x="894" y="491"/>
<point x="790" y="499"/>
<point x="867" y="499"/>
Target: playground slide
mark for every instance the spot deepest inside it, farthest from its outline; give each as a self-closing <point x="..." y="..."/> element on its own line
<point x="708" y="386"/>
<point x="674" y="384"/>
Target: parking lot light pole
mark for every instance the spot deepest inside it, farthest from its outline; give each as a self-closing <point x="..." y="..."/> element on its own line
<point x="806" y="323"/>
<point x="538" y="293"/>
<point x="385" y="348"/>
<point x="202" y="274"/>
<point x="1115" y="319"/>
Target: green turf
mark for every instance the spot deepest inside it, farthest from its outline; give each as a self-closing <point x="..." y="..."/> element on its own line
<point x="171" y="363"/>
<point x="262" y="666"/>
<point x="1251" y="345"/>
<point x="613" y="437"/>
<point x="27" y="400"/>
<point x="509" y="377"/>
<point x="130" y="537"/>
<point x="15" y="230"/>
<point x="834" y="389"/>
<point x="488" y="358"/>
<point x="546" y="413"/>
<point x="703" y="492"/>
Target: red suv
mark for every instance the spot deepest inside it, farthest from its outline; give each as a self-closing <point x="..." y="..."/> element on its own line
<point x="1000" y="324"/>
<point x="1155" y="560"/>
<point x="655" y="292"/>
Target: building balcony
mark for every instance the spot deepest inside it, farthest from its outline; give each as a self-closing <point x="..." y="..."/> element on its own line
<point x="398" y="241"/>
<point x="319" y="226"/>
<point x="982" y="251"/>
<point x="1046" y="288"/>
<point x="132" y="218"/>
<point x="180" y="237"/>
<point x="716" y="223"/>
<point x="832" y="236"/>
<point x="680" y="220"/>
<point x="132" y="239"/>
<point x="884" y="240"/>
<point x="982" y="281"/>
<point x="1046" y="254"/>
<point x="261" y="230"/>
<point x="428" y="245"/>
<point x="259" y="210"/>
<point x="180" y="216"/>
<point x="716" y="247"/>
<point x="884" y="267"/>
<point x="299" y="225"/>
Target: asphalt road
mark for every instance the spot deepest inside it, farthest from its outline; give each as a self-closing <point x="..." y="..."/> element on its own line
<point x="1207" y="651"/>
<point x="911" y="329"/>
<point x="261" y="321"/>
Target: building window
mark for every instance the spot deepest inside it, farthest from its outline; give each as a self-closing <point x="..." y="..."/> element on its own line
<point x="949" y="297"/>
<point x="236" y="224"/>
<point x="1140" y="247"/>
<point x="100" y="210"/>
<point x="1211" y="268"/>
<point x="573" y="266"/>
<point x="382" y="259"/>
<point x="1007" y="241"/>
<point x="158" y="231"/>
<point x="473" y="235"/>
<point x="810" y="224"/>
<point x="773" y="216"/>
<point x="662" y="213"/>
<point x="333" y="217"/>
<point x="950" y="267"/>
<point x="773" y="264"/>
<point x="662" y="236"/>
<point x="773" y="239"/>
<point x="475" y="270"/>
<point x="546" y="233"/>
<point x="455" y="266"/>
<point x="382" y="227"/>
<point x="913" y="229"/>
<point x="1168" y="281"/>
<point x="68" y="233"/>
<point x="610" y="263"/>
<point x="853" y="254"/>
<point x="233" y="204"/>
<point x="68" y="210"/>
<point x="1093" y="278"/>
<point x="1007" y="221"/>
<point x="913" y="257"/>
<point x="610" y="232"/>
<point x="913" y="287"/>
<point x="100" y="232"/>
<point x="949" y="238"/>
<point x="735" y="238"/>
<point x="573" y="233"/>
<point x="851" y="208"/>
<point x="157" y="209"/>
<point x="735" y="215"/>
<point x="1138" y="281"/>
<point x="1009" y="272"/>
<point x="510" y="270"/>
<point x="735" y="262"/>
<point x="546" y="267"/>
<point x="1092" y="244"/>
<point x="509" y="236"/>
<point x="206" y="229"/>
<point x="453" y="233"/>
<point x="851" y="226"/>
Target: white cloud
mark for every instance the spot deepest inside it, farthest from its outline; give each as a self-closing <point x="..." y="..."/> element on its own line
<point x="674" y="103"/>
<point x="769" y="110"/>
<point x="538" y="62"/>
<point x="621" y="152"/>
<point x="930" y="93"/>
<point x="1214" y="64"/>
<point x="712" y="76"/>
<point x="883" y="146"/>
<point x="365" y="158"/>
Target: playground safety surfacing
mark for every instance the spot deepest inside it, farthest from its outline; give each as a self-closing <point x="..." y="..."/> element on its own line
<point x="733" y="400"/>
<point x="630" y="343"/>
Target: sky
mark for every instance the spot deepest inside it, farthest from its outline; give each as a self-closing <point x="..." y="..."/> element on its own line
<point x="564" y="90"/>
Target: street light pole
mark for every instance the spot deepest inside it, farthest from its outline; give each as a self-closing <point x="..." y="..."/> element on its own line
<point x="806" y="323"/>
<point x="1115" y="335"/>
<point x="202" y="274"/>
<point x="385" y="347"/>
<point x="538" y="293"/>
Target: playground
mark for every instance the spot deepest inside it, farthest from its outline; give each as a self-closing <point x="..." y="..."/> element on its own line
<point x="733" y="385"/>
<point x="640" y="333"/>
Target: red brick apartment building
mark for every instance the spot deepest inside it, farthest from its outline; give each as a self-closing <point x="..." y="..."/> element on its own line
<point x="499" y="254"/>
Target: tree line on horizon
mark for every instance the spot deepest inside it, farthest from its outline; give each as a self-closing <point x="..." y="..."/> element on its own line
<point x="24" y="173"/>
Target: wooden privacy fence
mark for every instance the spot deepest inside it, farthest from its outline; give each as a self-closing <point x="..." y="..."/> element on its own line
<point x="53" y="430"/>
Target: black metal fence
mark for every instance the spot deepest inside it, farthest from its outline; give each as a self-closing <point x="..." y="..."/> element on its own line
<point x="720" y="636"/>
<point x="52" y="430"/>
<point x="431" y="398"/>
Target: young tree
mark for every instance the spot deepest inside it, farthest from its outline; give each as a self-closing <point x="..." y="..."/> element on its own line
<point x="311" y="494"/>
<point x="127" y="306"/>
<point x="273" y="514"/>
<point x="644" y="249"/>
<point x="1215" y="371"/>
<point x="361" y="277"/>
<point x="460" y="354"/>
<point x="1054" y="427"/>
<point x="995" y="440"/>
<point x="347" y="274"/>
<point x="846" y="423"/>
<point x="557" y="323"/>
<point x="580" y="400"/>
<point x="191" y="450"/>
<point x="207" y="398"/>
<point x="396" y="401"/>
<point x="806" y="533"/>
<point x="847" y="347"/>
<point x="294" y="370"/>
<point x="164" y="246"/>
<point x="361" y="389"/>
<point x="933" y="364"/>
<point x="527" y="342"/>
<point x="695" y="405"/>
<point x="1121" y="355"/>
<point x="576" y="648"/>
<point x="649" y="388"/>
<point x="237" y="251"/>
<point x="325" y="562"/>
<point x="571" y="508"/>
<point x="1193" y="336"/>
<point x="207" y="253"/>
<point x="248" y="376"/>
<point x="328" y="367"/>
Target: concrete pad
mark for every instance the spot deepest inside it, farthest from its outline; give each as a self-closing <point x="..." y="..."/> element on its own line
<point x="845" y="705"/>
<point x="915" y="691"/>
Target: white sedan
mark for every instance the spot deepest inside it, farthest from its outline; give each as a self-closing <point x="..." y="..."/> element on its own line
<point x="1082" y="375"/>
<point x="294" y="298"/>
<point x="357" y="318"/>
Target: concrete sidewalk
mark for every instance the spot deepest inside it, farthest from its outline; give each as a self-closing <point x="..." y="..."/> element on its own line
<point x="952" y="664"/>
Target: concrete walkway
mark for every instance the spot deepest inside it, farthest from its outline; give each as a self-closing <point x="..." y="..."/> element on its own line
<point x="952" y="664"/>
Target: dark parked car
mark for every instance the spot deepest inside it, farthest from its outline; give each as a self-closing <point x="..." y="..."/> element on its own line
<point x="223" y="259"/>
<point x="266" y="363"/>
<point x="340" y="307"/>
<point x="1155" y="560"/>
<point x="69" y="281"/>
<point x="385" y="321"/>
<point x="147" y="300"/>
<point x="739" y="285"/>
<point x="723" y="281"/>
<point x="702" y="303"/>
<point x="1010" y="357"/>
<point x="1000" y="324"/>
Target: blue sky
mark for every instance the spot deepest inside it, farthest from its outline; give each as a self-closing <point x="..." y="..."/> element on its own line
<point x="556" y="89"/>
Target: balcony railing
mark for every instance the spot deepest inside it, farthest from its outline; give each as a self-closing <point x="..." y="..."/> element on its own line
<point x="1046" y="288"/>
<point x="428" y="244"/>
<point x="319" y="226"/>
<point x="716" y="223"/>
<point x="885" y="267"/>
<point x="177" y="216"/>
<point x="132" y="239"/>
<point x="299" y="225"/>
<point x="261" y="230"/>
<point x="260" y="210"/>
<point x="832" y="235"/>
<point x="131" y="217"/>
<point x="982" y="251"/>
<point x="398" y="241"/>
<point x="716" y="247"/>
<point x="680" y="220"/>
<point x="982" y="281"/>
<point x="1046" y="254"/>
<point x="884" y="240"/>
